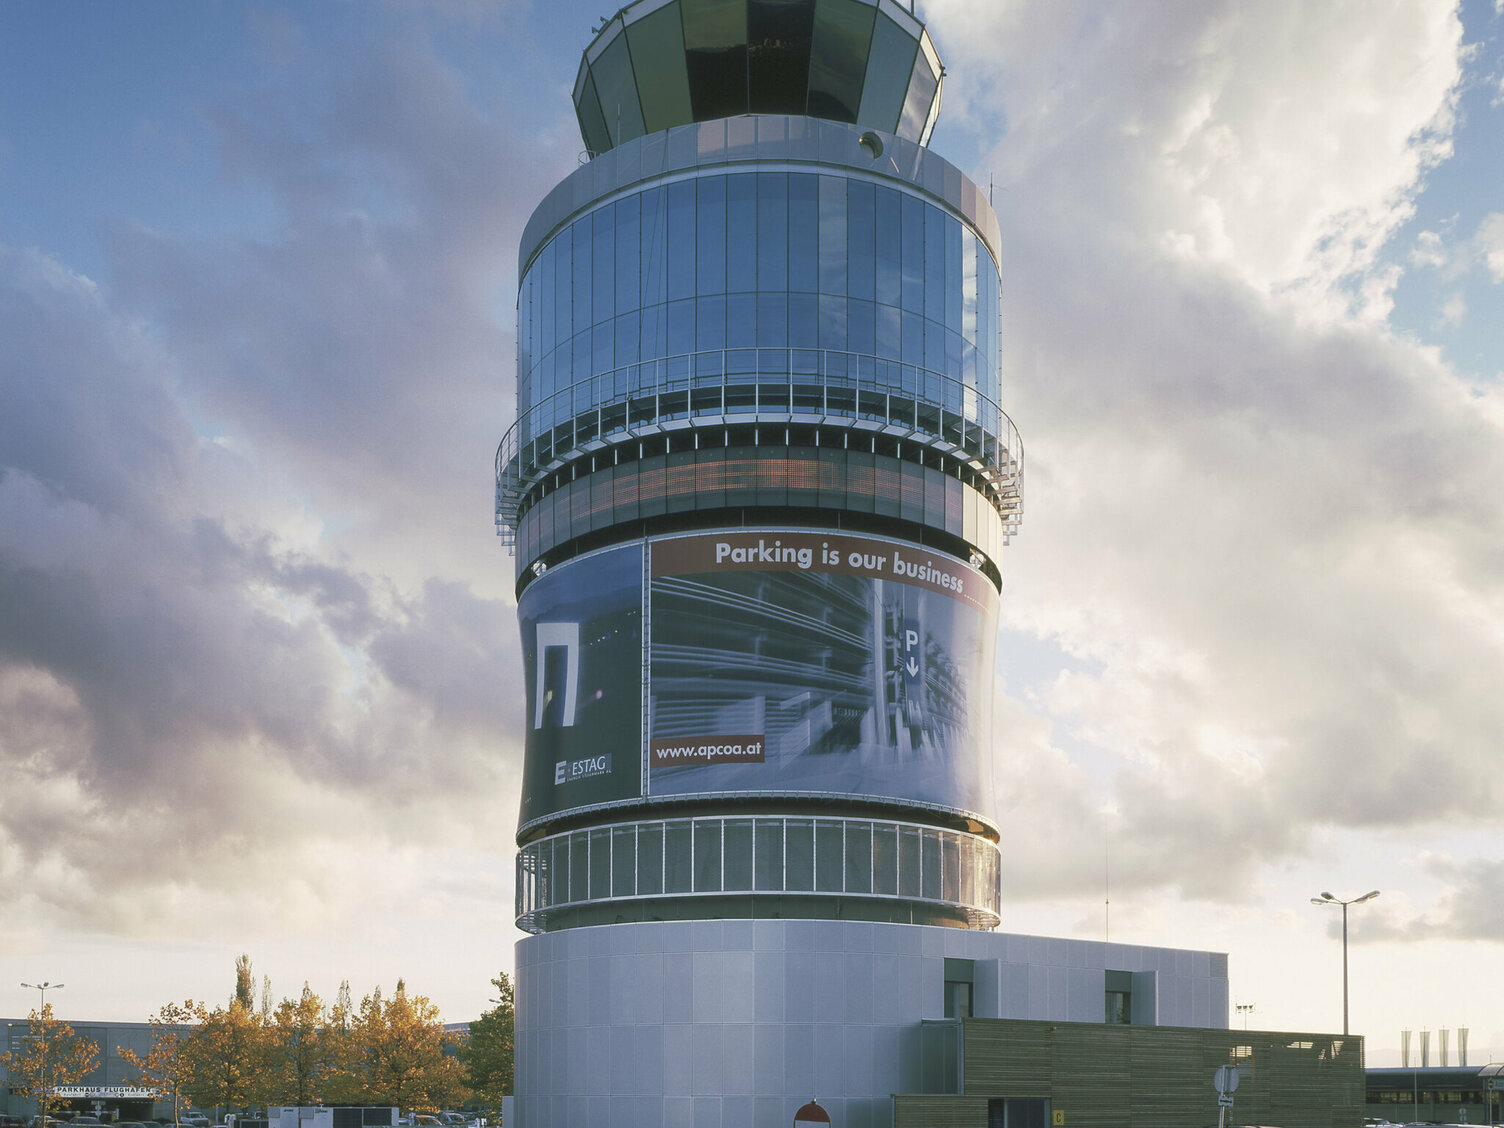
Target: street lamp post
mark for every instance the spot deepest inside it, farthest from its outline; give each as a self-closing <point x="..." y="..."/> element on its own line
<point x="1328" y="899"/>
<point x="44" y="988"/>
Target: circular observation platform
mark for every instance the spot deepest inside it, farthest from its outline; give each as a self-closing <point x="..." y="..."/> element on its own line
<point x="657" y="64"/>
<point x="920" y="423"/>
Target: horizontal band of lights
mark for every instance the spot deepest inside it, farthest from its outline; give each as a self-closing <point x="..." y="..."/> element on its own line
<point x="828" y="478"/>
<point x="769" y="855"/>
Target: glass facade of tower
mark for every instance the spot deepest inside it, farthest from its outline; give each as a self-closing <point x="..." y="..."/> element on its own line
<point x="732" y="277"/>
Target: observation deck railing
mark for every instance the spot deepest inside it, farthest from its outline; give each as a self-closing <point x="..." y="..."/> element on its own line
<point x="830" y="388"/>
<point x="783" y="856"/>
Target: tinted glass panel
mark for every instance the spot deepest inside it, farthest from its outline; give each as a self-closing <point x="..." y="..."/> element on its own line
<point x="799" y="855"/>
<point x="772" y="231"/>
<point x="833" y="235"/>
<point x="618" y="93"/>
<point x="628" y="275"/>
<point x="681" y="239"/>
<point x="804" y="232"/>
<point x="741" y="232"/>
<point x="888" y="71"/>
<point x="678" y="857"/>
<point x="858" y="857"/>
<point x="715" y="43"/>
<point x="779" y="32"/>
<point x="935" y="274"/>
<point x="884" y="859"/>
<point x="654" y="262"/>
<point x="769" y="850"/>
<point x="929" y="865"/>
<point x="887" y="236"/>
<point x="738" y="854"/>
<point x="707" y="855"/>
<point x="580" y="235"/>
<point x="579" y="867"/>
<point x="657" y="46"/>
<point x="592" y="122"/>
<point x="908" y="862"/>
<point x="623" y="862"/>
<point x="710" y="235"/>
<point x="830" y="857"/>
<point x="650" y="859"/>
<point x="916" y="107"/>
<point x="843" y="32"/>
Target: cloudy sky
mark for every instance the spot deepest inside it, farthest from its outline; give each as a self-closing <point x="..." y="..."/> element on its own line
<point x="259" y="681"/>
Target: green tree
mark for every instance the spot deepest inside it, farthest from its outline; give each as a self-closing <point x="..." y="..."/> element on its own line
<point x="488" y="1052"/>
<point x="164" y="1070"/>
<point x="53" y="1055"/>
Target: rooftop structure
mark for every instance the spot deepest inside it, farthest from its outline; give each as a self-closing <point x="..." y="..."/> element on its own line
<point x="658" y="64"/>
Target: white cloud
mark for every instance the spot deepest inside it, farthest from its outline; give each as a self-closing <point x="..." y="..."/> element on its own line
<point x="1453" y="311"/>
<point x="1271" y="526"/>
<point x="1490" y="244"/>
<point x="1282" y="142"/>
<point x="1429" y="250"/>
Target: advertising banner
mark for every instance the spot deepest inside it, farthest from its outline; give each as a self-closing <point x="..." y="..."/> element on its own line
<point x="581" y="627"/>
<point x="802" y="661"/>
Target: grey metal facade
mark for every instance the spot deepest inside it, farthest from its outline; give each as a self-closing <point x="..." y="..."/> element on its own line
<point x="738" y="1023"/>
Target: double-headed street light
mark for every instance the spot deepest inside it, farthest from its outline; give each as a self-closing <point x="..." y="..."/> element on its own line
<point x="1328" y="899"/>
<point x="41" y="1037"/>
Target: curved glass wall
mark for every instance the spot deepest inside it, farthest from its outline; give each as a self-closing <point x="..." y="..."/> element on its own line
<point x="888" y="287"/>
<point x="772" y="856"/>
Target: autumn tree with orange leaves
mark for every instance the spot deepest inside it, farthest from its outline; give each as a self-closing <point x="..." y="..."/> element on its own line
<point x="225" y="1055"/>
<point x="385" y="1052"/>
<point x="165" y="1069"/>
<point x="398" y="1055"/>
<point x="53" y="1055"/>
<point x="300" y="1050"/>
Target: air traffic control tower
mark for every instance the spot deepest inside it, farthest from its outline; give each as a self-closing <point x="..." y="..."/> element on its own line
<point x="758" y="490"/>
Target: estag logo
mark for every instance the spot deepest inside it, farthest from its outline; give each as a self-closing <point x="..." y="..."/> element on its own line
<point x="567" y="771"/>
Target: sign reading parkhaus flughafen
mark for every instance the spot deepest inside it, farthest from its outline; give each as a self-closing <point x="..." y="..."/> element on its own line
<point x="758" y="491"/>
